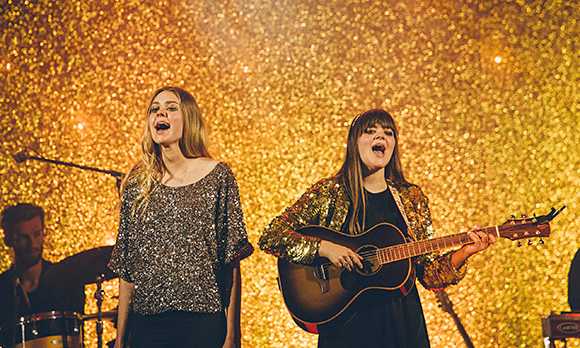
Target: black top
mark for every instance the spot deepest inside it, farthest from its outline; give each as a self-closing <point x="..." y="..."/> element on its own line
<point x="381" y="207"/>
<point x="47" y="297"/>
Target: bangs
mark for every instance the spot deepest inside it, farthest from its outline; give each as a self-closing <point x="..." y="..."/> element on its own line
<point x="372" y="118"/>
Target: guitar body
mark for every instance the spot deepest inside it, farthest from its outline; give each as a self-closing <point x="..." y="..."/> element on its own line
<point x="322" y="298"/>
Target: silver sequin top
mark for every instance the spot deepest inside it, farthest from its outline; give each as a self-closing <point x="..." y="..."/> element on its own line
<point x="177" y="251"/>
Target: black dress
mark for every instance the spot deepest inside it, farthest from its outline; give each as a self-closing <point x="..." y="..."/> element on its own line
<point x="574" y="283"/>
<point x="382" y="321"/>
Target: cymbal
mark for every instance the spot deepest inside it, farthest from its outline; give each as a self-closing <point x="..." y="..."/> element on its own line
<point x="82" y="268"/>
<point x="105" y="315"/>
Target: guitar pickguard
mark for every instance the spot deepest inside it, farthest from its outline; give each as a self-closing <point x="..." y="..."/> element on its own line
<point x="321" y="276"/>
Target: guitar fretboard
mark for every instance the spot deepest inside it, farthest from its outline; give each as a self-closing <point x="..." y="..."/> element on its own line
<point x="404" y="251"/>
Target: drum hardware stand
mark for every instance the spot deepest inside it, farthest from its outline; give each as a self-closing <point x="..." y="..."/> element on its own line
<point x="18" y="290"/>
<point x="99" y="295"/>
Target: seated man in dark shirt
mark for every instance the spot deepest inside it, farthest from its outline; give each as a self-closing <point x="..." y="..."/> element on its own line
<point x="574" y="283"/>
<point x="23" y="288"/>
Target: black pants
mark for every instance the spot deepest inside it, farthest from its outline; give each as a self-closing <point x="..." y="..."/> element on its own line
<point x="178" y="329"/>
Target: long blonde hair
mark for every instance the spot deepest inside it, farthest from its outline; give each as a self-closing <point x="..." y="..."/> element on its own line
<point x="351" y="172"/>
<point x="193" y="143"/>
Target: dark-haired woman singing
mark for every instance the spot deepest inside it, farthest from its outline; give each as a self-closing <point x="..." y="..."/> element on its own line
<point x="370" y="189"/>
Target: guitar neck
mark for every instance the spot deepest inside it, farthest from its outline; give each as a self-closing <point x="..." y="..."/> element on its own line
<point x="407" y="250"/>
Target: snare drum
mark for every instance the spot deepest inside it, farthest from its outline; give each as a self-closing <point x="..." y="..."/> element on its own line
<point x="45" y="330"/>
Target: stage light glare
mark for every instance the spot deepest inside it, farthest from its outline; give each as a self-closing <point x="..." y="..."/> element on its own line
<point x="497" y="59"/>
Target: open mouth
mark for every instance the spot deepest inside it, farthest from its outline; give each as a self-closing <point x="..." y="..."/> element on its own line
<point x="162" y="126"/>
<point x="379" y="149"/>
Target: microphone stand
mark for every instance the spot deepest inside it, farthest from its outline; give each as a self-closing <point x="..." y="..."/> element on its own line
<point x="23" y="156"/>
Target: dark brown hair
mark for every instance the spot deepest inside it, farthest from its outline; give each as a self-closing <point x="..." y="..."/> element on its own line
<point x="16" y="214"/>
<point x="351" y="172"/>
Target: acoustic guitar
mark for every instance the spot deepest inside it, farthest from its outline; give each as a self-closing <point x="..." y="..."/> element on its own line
<point x="322" y="297"/>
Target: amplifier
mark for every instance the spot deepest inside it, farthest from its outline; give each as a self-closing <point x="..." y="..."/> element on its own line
<point x="561" y="325"/>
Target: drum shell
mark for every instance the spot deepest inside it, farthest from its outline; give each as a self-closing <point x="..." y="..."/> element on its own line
<point x="45" y="330"/>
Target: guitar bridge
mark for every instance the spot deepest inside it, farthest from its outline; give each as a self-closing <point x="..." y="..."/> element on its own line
<point x="321" y="275"/>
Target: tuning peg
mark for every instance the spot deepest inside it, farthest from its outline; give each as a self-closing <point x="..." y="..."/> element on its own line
<point x="523" y="216"/>
<point x="512" y="217"/>
<point x="519" y="244"/>
<point x="541" y="241"/>
<point x="529" y="242"/>
<point x="534" y="214"/>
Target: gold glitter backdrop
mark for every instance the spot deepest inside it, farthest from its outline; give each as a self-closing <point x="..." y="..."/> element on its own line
<point x="486" y="95"/>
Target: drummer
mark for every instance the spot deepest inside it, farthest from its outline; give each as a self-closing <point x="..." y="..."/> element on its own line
<point x="23" y="288"/>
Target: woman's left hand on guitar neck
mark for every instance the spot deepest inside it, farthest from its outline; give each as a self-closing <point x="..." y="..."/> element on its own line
<point x="481" y="241"/>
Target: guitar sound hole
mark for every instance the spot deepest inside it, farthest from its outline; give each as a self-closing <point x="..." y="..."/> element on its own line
<point x="370" y="262"/>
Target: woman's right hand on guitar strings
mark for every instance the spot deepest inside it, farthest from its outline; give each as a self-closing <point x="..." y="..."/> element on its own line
<point x="339" y="255"/>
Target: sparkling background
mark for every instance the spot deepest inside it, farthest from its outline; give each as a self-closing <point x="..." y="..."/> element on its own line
<point x="485" y="93"/>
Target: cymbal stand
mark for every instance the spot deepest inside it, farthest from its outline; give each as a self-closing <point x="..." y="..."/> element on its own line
<point x="99" y="295"/>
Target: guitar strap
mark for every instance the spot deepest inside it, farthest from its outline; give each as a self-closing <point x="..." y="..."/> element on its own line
<point x="405" y="288"/>
<point x="401" y="207"/>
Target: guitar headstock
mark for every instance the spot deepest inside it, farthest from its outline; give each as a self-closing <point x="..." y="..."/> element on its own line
<point x="536" y="226"/>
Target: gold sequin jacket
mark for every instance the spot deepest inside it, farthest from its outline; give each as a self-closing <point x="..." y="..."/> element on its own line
<point x="326" y="203"/>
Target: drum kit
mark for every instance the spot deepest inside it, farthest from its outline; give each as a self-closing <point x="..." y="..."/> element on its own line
<point x="57" y="329"/>
<point x="62" y="328"/>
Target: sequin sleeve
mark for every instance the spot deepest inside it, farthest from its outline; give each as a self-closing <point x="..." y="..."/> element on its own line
<point x="119" y="256"/>
<point x="280" y="238"/>
<point x="230" y="226"/>
<point x="434" y="270"/>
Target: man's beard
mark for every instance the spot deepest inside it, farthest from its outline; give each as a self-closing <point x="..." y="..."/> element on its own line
<point x="27" y="260"/>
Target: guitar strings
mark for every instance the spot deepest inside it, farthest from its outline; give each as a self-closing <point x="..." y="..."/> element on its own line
<point x="402" y="250"/>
